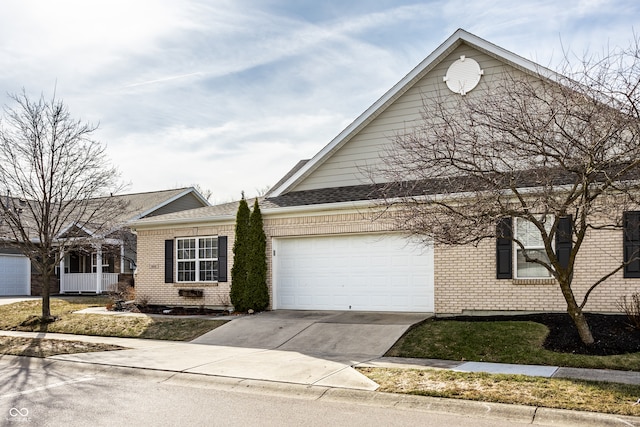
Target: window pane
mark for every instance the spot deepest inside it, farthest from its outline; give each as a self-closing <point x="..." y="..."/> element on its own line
<point x="530" y="269"/>
<point x="530" y="237"/>
<point x="208" y="271"/>
<point x="208" y="248"/>
<point x="528" y="234"/>
<point x="186" y="271"/>
<point x="186" y="249"/>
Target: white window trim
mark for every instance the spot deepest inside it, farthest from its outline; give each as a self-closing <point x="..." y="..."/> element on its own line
<point x="516" y="248"/>
<point x="196" y="260"/>
<point x="105" y="262"/>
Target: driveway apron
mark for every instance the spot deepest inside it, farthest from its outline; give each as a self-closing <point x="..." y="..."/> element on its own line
<point x="302" y="347"/>
<point x="359" y="335"/>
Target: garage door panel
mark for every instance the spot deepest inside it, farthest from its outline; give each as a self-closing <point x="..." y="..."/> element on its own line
<point x="358" y="272"/>
<point x="15" y="275"/>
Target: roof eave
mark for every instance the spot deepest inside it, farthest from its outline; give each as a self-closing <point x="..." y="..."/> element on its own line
<point x="159" y="222"/>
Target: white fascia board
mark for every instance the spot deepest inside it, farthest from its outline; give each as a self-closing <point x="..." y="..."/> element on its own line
<point x="270" y="212"/>
<point x="92" y="241"/>
<point x="401" y="87"/>
<point x="342" y="207"/>
<point x="161" y="223"/>
<point x="81" y="227"/>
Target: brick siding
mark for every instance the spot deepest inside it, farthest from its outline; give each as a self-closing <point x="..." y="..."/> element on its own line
<point x="465" y="276"/>
<point x="465" y="279"/>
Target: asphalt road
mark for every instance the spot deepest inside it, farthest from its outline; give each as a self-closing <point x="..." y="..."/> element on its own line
<point x="37" y="394"/>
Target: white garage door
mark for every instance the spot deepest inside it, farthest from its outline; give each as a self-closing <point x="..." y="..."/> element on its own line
<point x="15" y="275"/>
<point x="359" y="272"/>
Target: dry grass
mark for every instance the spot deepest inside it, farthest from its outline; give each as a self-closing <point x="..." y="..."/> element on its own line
<point x="23" y="316"/>
<point x="514" y="389"/>
<point x="35" y="347"/>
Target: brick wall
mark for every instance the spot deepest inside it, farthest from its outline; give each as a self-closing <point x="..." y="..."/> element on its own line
<point x="465" y="276"/>
<point x="465" y="279"/>
<point x="149" y="277"/>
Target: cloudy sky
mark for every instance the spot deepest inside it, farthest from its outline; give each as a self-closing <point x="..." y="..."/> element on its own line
<point x="230" y="94"/>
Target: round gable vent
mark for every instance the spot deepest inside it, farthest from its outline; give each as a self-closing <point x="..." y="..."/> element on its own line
<point x="463" y="75"/>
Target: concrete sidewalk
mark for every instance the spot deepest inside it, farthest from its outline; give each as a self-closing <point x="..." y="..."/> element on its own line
<point x="289" y="373"/>
<point x="220" y="361"/>
<point x="290" y="366"/>
<point x="605" y="375"/>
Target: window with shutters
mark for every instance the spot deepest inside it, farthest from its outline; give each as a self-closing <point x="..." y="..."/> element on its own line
<point x="197" y="259"/>
<point x="511" y="262"/>
<point x="528" y="234"/>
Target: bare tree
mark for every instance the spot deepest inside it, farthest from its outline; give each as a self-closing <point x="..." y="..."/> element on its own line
<point x="52" y="171"/>
<point x="204" y="192"/>
<point x="559" y="155"/>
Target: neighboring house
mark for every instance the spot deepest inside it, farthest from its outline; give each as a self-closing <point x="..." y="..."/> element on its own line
<point x="105" y="259"/>
<point x="326" y="253"/>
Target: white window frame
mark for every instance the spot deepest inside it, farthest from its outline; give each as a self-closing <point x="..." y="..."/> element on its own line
<point x="105" y="262"/>
<point x="201" y="255"/>
<point x="540" y="246"/>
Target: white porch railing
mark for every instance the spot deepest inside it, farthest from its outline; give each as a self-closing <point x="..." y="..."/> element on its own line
<point x="87" y="282"/>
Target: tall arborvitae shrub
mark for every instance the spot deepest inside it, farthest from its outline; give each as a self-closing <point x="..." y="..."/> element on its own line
<point x="240" y="256"/>
<point x="257" y="291"/>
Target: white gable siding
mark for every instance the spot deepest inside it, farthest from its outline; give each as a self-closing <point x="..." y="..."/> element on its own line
<point x="346" y="166"/>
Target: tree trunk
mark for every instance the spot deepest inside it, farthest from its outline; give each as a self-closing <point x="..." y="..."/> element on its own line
<point x="574" y="310"/>
<point x="45" y="291"/>
<point x="581" y="324"/>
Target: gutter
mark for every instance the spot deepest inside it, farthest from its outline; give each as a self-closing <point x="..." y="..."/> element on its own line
<point x="269" y="212"/>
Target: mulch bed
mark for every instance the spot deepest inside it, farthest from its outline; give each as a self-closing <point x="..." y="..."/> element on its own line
<point x="181" y="311"/>
<point x="613" y="334"/>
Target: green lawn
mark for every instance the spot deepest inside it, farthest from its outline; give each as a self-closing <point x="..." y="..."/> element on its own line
<point x="499" y="341"/>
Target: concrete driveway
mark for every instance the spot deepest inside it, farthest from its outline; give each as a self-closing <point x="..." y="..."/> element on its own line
<point x="347" y="336"/>
<point x="301" y="347"/>
<point x="11" y="300"/>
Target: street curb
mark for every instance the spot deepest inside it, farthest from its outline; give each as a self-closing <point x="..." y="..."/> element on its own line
<point x="564" y="417"/>
<point x="469" y="408"/>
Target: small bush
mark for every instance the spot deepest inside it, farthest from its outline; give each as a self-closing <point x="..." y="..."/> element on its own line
<point x="142" y="301"/>
<point x="123" y="291"/>
<point x="631" y="307"/>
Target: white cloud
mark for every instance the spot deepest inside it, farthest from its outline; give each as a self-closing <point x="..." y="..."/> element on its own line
<point x="231" y="94"/>
<point x="241" y="155"/>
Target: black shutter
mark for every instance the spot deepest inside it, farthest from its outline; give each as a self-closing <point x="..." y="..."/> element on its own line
<point x="504" y="249"/>
<point x="564" y="241"/>
<point x="168" y="261"/>
<point x="632" y="244"/>
<point x="222" y="258"/>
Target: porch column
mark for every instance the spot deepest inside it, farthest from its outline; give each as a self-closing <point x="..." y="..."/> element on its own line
<point x="61" y="267"/>
<point x="98" y="269"/>
<point x="121" y="258"/>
